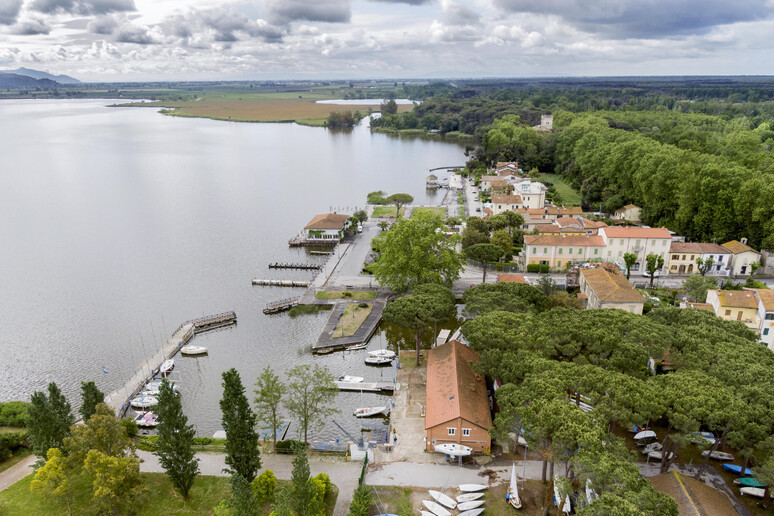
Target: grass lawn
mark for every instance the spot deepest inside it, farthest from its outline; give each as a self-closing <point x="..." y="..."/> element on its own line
<point x="339" y="294"/>
<point x="570" y="196"/>
<point x="18" y="456"/>
<point x="438" y="211"/>
<point x="351" y="320"/>
<point x="386" y="211"/>
<point x="162" y="498"/>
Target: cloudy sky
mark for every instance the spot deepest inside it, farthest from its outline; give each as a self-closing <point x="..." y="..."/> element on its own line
<point x="106" y="40"/>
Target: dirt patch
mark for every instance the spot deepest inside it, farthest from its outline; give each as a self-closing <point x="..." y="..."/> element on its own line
<point x="692" y="496"/>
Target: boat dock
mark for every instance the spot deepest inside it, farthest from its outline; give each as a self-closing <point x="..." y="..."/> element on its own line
<point x="366" y="386"/>
<point x="303" y="266"/>
<point x="300" y="241"/>
<point x="266" y="434"/>
<point x="281" y="283"/>
<point x="327" y="343"/>
<point x="118" y="400"/>
<point x="281" y="306"/>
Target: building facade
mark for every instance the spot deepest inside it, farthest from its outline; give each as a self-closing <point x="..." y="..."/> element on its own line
<point x="326" y="227"/>
<point x="742" y="257"/>
<point x="640" y="241"/>
<point x="605" y="286"/>
<point x="558" y="251"/>
<point x="683" y="256"/>
<point x="735" y="305"/>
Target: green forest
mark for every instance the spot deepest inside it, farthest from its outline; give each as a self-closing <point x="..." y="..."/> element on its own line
<point x="695" y="154"/>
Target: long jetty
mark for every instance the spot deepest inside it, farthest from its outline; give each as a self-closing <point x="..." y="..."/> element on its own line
<point x="366" y="386"/>
<point x="281" y="306"/>
<point x="304" y="266"/>
<point x="281" y="283"/>
<point x="119" y="399"/>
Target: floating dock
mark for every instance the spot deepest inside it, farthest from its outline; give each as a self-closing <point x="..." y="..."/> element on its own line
<point x="300" y="241"/>
<point x="281" y="306"/>
<point x="281" y="283"/>
<point x="366" y="386"/>
<point x="266" y="434"/>
<point x="303" y="266"/>
<point x="330" y="446"/>
<point x="327" y="343"/>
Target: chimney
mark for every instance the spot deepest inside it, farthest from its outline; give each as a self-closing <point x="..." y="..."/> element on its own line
<point x="743" y="240"/>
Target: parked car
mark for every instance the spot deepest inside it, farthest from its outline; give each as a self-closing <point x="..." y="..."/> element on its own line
<point x="359" y="228"/>
<point x="647" y="274"/>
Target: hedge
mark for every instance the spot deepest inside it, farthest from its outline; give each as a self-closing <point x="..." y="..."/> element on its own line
<point x="538" y="267"/>
<point x="288" y="446"/>
<point x="10" y="442"/>
<point x="14" y="413"/>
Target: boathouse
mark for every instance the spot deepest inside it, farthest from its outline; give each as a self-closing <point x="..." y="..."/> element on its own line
<point x="326" y="227"/>
<point x="457" y="408"/>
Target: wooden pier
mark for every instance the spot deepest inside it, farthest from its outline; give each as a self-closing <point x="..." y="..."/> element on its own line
<point x="300" y="241"/>
<point x="327" y="253"/>
<point x="281" y="283"/>
<point x="366" y="386"/>
<point x="304" y="266"/>
<point x="281" y="306"/>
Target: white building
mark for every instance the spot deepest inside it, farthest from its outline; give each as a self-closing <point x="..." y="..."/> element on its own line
<point x="326" y="226"/>
<point x="765" y="298"/>
<point x="742" y="257"/>
<point x="620" y="240"/>
<point x="533" y="194"/>
<point x="503" y="203"/>
<point x="683" y="256"/>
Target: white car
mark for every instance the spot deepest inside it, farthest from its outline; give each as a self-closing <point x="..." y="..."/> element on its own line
<point x="647" y="274"/>
<point x="359" y="228"/>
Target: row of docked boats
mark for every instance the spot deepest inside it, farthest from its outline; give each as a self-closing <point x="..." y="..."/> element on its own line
<point x="383" y="410"/>
<point x="469" y="503"/>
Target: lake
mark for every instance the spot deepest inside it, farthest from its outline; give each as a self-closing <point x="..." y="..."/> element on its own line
<point x="118" y="224"/>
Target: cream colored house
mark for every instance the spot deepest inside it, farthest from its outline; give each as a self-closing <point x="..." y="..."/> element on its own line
<point x="620" y="240"/>
<point x="683" y="256"/>
<point x="605" y="286"/>
<point x="735" y="305"/>
<point x="765" y="298"/>
<point x="503" y="203"/>
<point x="326" y="226"/>
<point x="742" y="256"/>
<point x="557" y="251"/>
<point x="629" y="213"/>
<point x="485" y="184"/>
<point x="533" y="194"/>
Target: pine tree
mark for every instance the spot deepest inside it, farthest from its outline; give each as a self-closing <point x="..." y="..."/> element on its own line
<point x="268" y="397"/>
<point x="242" y="453"/>
<point x="49" y="420"/>
<point x="303" y="492"/>
<point x="91" y="396"/>
<point x="175" y="440"/>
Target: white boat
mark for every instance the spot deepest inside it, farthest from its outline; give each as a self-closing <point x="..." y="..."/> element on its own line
<point x="435" y="508"/>
<point x="453" y="449"/>
<point x="443" y="499"/>
<point x="426" y="513"/>
<point x="659" y="455"/>
<point x="378" y="360"/>
<point x="472" y="488"/>
<point x="651" y="448"/>
<point x="591" y="495"/>
<point x="144" y="401"/>
<point x="350" y="379"/>
<point x="703" y="437"/>
<point x="645" y="434"/>
<point x="469" y="497"/>
<point x="146" y="420"/>
<point x="472" y="512"/>
<point x="567" y="507"/>
<point x="384" y="353"/>
<point x="717" y="455"/>
<point x="757" y="492"/>
<point x="557" y="498"/>
<point x="193" y="350"/>
<point x="355" y="347"/>
<point x="167" y="366"/>
<point x="513" y="490"/>
<point x="372" y="411"/>
<point x="152" y="388"/>
<point x="466" y="506"/>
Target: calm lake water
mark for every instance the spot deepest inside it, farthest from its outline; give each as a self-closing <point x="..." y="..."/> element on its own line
<point x="118" y="224"/>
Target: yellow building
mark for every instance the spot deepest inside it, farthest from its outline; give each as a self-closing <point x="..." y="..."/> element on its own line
<point x="557" y="251"/>
<point x="743" y="256"/>
<point x="605" y="286"/>
<point x="735" y="305"/>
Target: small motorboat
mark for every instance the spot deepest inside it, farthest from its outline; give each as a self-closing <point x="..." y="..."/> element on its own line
<point x="146" y="420"/>
<point x="469" y="497"/>
<point x="355" y="347"/>
<point x="350" y="379"/>
<point x="371" y="360"/>
<point x="659" y="455"/>
<point x="644" y="435"/>
<point x="703" y="437"/>
<point x="144" y="401"/>
<point x="193" y="350"/>
<point x="152" y="388"/>
<point x="384" y="353"/>
<point x="513" y="491"/>
<point x="443" y="499"/>
<point x="472" y="488"/>
<point x="472" y="512"/>
<point x="453" y="449"/>
<point x="749" y="482"/>
<point x="372" y="411"/>
<point x="717" y="455"/>
<point x="466" y="506"/>
<point x="652" y="447"/>
<point x="735" y="468"/>
<point x="167" y="366"/>
<point x="757" y="492"/>
<point x="435" y="508"/>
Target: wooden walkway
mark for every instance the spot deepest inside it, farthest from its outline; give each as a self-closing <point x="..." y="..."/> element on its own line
<point x="327" y="343"/>
<point x="281" y="283"/>
<point x="281" y="306"/>
<point x="303" y="266"/>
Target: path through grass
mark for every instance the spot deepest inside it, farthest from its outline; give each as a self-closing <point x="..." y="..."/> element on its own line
<point x="351" y="320"/>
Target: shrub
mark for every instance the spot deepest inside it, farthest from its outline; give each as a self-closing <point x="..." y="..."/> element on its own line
<point x="363" y="305"/>
<point x="288" y="446"/>
<point x="361" y="501"/>
<point x="538" y="267"/>
<point x="14" y="413"/>
<point x="202" y="441"/>
<point x="10" y="442"/>
<point x="346" y="293"/>
<point x="264" y="486"/>
<point x="319" y="494"/>
<point x="326" y="480"/>
<point x="130" y="427"/>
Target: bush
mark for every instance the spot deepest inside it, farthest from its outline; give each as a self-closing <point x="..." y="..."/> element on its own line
<point x="288" y="446"/>
<point x="130" y="427"/>
<point x="363" y="305"/>
<point x="326" y="481"/>
<point x="346" y="293"/>
<point x="10" y="442"/>
<point x="202" y="441"/>
<point x="538" y="267"/>
<point x="264" y="487"/>
<point x="361" y="501"/>
<point x="14" y="413"/>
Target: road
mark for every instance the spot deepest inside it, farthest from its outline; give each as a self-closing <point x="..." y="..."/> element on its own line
<point x="16" y="472"/>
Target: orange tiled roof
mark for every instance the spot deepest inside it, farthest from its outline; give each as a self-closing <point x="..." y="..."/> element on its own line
<point x="698" y="248"/>
<point x="592" y="224"/>
<point x="566" y="240"/>
<point x="738" y="247"/>
<point x="453" y="388"/>
<point x="611" y="286"/>
<point x="737" y="299"/>
<point x="505" y="199"/>
<point x="635" y="232"/>
<point x="701" y="306"/>
<point x="553" y="210"/>
<point x="511" y="278"/>
<point x="564" y="220"/>
<point x="327" y="221"/>
<point x="766" y="296"/>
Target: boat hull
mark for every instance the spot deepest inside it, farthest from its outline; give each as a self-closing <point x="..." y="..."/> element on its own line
<point x="435" y="508"/>
<point x="443" y="499"/>
<point x="472" y="488"/>
<point x="469" y="497"/>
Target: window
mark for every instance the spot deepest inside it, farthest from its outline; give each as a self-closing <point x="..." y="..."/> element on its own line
<point x="637" y="244"/>
<point x="534" y="250"/>
<point x="769" y="317"/>
<point x="693" y="257"/>
<point x="675" y="256"/>
<point x="609" y="254"/>
<point x="720" y="258"/>
<point x="545" y="250"/>
<point x="728" y="312"/>
<point x="559" y="263"/>
<point x="739" y="316"/>
<point x="452" y="431"/>
<point x="560" y="250"/>
<point x="765" y="331"/>
<point x="466" y="432"/>
<point x="596" y="251"/>
<point x="683" y="257"/>
<point x="580" y="251"/>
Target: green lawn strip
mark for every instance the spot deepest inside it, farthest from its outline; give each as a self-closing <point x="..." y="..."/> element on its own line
<point x="339" y="294"/>
<point x="570" y="196"/>
<point x="437" y="211"/>
<point x="352" y="318"/>
<point x="162" y="497"/>
<point x="386" y="211"/>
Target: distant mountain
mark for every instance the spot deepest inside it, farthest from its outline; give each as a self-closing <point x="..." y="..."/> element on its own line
<point x="35" y="74"/>
<point x="13" y="81"/>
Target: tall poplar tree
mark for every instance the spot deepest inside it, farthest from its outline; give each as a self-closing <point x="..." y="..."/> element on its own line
<point x="175" y="440"/>
<point x="91" y="396"/>
<point x="242" y="453"/>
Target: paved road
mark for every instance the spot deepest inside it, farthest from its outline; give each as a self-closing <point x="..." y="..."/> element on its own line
<point x="343" y="474"/>
<point x="17" y="472"/>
